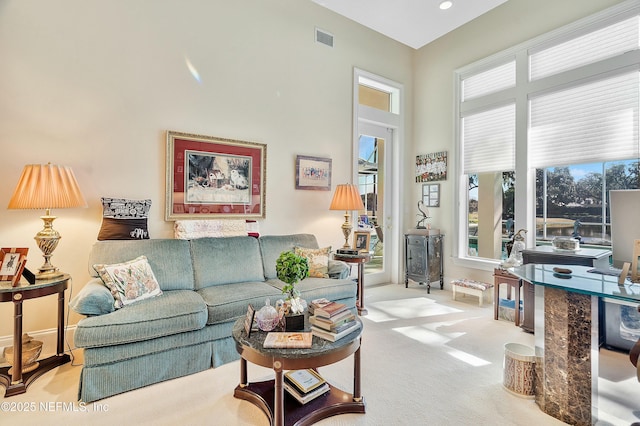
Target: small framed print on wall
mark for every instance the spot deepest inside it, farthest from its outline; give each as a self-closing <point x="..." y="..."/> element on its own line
<point x="313" y="173"/>
<point x="431" y="194"/>
<point x="431" y="167"/>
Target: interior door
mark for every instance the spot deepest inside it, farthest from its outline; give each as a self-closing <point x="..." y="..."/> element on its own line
<point x="374" y="174"/>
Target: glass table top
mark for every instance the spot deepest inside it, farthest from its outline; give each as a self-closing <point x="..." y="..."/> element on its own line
<point x="579" y="280"/>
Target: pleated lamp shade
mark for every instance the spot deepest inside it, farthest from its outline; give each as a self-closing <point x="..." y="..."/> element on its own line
<point x="47" y="186"/>
<point x="346" y="197"/>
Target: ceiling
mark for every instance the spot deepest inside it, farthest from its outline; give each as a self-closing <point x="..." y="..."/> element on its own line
<point x="411" y="22"/>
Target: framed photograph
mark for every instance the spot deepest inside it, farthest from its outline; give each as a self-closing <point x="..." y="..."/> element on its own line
<point x="361" y="241"/>
<point x="12" y="261"/>
<point x="248" y="320"/>
<point x="431" y="167"/>
<point x="209" y="177"/>
<point x="313" y="173"/>
<point x="431" y="194"/>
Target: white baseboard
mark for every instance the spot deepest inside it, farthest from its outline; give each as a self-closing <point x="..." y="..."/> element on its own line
<point x="49" y="339"/>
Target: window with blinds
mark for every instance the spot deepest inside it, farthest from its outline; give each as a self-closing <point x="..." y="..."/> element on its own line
<point x="592" y="122"/>
<point x="489" y="140"/>
<point x="607" y="42"/>
<point x="578" y="107"/>
<point x="490" y="81"/>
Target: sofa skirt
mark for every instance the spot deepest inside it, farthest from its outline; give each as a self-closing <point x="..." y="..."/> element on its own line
<point x="106" y="380"/>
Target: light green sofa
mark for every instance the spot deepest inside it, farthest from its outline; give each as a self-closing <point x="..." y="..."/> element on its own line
<point x="207" y="284"/>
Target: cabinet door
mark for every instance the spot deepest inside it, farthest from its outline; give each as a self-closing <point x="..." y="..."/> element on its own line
<point x="416" y="261"/>
<point x="434" y="253"/>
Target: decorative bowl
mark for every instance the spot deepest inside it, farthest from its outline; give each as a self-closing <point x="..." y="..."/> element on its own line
<point x="31" y="350"/>
<point x="267" y="324"/>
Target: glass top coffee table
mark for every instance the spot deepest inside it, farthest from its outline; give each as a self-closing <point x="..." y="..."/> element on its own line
<point x="269" y="395"/>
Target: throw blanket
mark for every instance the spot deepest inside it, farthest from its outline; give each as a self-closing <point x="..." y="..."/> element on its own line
<point x="191" y="229"/>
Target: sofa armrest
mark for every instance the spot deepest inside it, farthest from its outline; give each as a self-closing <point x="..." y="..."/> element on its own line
<point x="339" y="269"/>
<point x="93" y="299"/>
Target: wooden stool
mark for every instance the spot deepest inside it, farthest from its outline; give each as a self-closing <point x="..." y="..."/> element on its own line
<point x="502" y="276"/>
<point x="474" y="288"/>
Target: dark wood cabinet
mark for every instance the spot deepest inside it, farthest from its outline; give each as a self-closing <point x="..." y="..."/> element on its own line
<point x="423" y="259"/>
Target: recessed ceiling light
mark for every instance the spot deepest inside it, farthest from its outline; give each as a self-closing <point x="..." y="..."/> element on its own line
<point x="446" y="5"/>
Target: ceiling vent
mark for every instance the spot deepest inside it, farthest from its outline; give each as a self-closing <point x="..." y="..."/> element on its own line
<point x="324" y="37"/>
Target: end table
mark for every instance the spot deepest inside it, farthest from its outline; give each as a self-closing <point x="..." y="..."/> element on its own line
<point x="17" y="382"/>
<point x="360" y="260"/>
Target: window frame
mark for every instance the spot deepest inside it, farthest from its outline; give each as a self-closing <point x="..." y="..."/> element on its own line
<point x="525" y="208"/>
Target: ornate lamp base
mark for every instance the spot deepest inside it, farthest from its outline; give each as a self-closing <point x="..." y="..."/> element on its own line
<point x="346" y="230"/>
<point x="47" y="240"/>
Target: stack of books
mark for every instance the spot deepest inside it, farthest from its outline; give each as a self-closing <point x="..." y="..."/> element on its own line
<point x="305" y="385"/>
<point x="331" y="320"/>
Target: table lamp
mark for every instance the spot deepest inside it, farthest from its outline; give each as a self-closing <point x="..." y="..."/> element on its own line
<point x="47" y="186"/>
<point x="346" y="198"/>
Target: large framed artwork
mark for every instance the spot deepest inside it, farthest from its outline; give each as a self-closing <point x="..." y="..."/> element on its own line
<point x="210" y="177"/>
<point x="313" y="173"/>
<point x="431" y="167"/>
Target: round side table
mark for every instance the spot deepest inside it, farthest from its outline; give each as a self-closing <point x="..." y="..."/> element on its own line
<point x="360" y="260"/>
<point x="17" y="382"/>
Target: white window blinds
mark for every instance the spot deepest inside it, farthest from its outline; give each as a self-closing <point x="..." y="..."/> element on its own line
<point x="593" y="122"/>
<point x="488" y="140"/>
<point x="490" y="81"/>
<point x="604" y="43"/>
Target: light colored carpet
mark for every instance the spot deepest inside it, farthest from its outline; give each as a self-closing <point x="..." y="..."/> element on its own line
<point x="426" y="360"/>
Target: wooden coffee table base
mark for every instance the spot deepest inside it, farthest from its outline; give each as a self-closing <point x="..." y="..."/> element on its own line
<point x="280" y="407"/>
<point x="334" y="402"/>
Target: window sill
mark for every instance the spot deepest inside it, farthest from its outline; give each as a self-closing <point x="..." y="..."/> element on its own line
<point x="477" y="263"/>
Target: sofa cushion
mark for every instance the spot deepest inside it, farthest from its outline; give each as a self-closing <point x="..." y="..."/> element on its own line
<point x="93" y="299"/>
<point x="272" y="245"/>
<point x="318" y="260"/>
<point x="218" y="261"/>
<point x="229" y="302"/>
<point x="129" y="282"/>
<point x="173" y="312"/>
<point x="170" y="259"/>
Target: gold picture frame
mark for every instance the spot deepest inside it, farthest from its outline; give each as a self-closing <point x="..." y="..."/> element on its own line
<point x="361" y="241"/>
<point x="214" y="178"/>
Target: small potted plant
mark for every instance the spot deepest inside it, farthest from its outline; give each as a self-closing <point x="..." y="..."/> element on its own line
<point x="291" y="268"/>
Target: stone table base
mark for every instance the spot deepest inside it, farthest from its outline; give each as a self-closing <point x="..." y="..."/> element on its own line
<point x="566" y="366"/>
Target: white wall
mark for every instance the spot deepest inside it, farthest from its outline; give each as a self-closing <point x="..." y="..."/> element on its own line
<point x="95" y="84"/>
<point x="505" y="26"/>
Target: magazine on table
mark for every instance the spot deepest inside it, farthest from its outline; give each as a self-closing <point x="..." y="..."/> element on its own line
<point x="288" y="339"/>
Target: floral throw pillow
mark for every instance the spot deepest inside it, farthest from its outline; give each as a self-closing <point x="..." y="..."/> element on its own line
<point x="318" y="260"/>
<point x="129" y="282"/>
